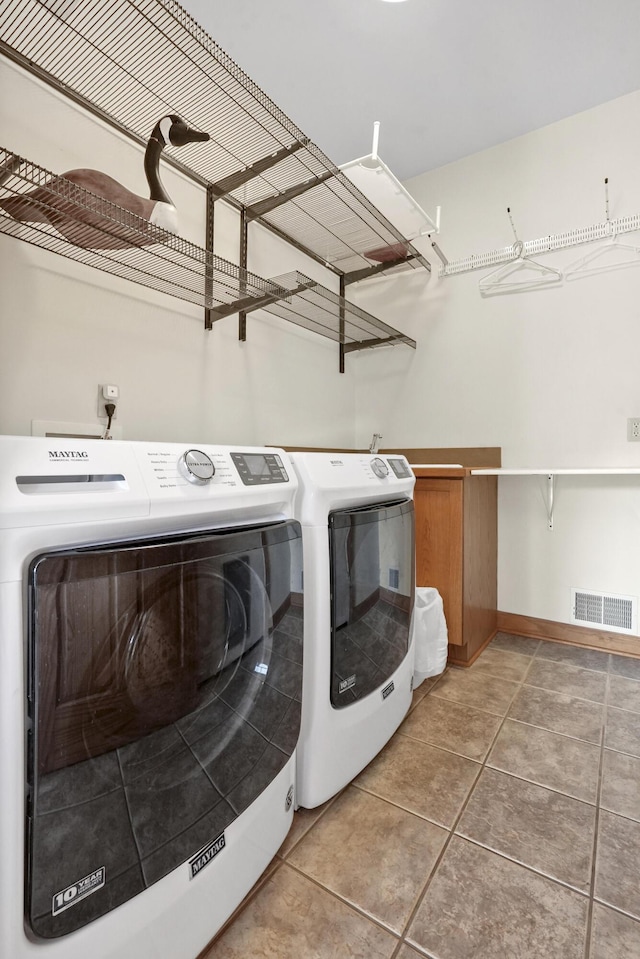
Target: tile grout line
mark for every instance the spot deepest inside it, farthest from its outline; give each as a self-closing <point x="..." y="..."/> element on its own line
<point x="524" y="865"/>
<point x="581" y="699"/>
<point x="240" y="908"/>
<point x="278" y="861"/>
<point x="402" y="940"/>
<point x="588" y="894"/>
<point x="596" y="827"/>
<point x="325" y="889"/>
<point x="567" y="662"/>
<point x="457" y="819"/>
<point x="556" y="732"/>
<point x="345" y="902"/>
<point x="584" y="894"/>
<point x="401" y="937"/>
<point x="498" y="769"/>
<point x="328" y="803"/>
<point x="524" y="722"/>
<point x="269" y="871"/>
<point x="452" y="831"/>
<point x="534" y="782"/>
<point x="411" y="812"/>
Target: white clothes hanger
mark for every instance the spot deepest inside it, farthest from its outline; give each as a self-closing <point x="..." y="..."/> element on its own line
<point x="613" y="254"/>
<point x="519" y="274"/>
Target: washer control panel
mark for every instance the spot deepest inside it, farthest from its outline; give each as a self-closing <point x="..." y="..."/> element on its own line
<point x="197" y="467"/>
<point x="259" y="469"/>
<point x="379" y="467"/>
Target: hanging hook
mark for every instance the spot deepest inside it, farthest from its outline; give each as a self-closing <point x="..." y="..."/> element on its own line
<point x="609" y="227"/>
<point x="518" y="245"/>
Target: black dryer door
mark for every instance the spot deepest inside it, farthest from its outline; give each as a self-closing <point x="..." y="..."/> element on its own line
<point x="372" y="567"/>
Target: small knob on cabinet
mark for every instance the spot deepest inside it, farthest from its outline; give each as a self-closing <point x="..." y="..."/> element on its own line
<point x="196" y="466"/>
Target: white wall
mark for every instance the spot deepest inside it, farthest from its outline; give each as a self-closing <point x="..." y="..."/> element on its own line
<point x="65" y="328"/>
<point x="549" y="375"/>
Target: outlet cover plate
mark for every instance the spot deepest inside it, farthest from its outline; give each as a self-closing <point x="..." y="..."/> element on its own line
<point x="101" y="402"/>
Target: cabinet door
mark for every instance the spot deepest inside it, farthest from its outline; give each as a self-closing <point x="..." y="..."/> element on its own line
<point x="439" y="546"/>
<point x="480" y="565"/>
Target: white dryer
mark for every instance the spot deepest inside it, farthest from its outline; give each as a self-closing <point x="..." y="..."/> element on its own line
<point x="150" y="690"/>
<point x="356" y="512"/>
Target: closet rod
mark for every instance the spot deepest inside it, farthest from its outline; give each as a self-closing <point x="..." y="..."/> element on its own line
<point x="557" y="241"/>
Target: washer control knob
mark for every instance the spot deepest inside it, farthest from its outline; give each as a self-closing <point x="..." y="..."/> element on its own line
<point x="196" y="467"/>
<point x="379" y="467"/>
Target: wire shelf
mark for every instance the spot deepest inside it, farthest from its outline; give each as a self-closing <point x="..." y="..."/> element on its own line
<point x="257" y="157"/>
<point x="316" y="308"/>
<point x="58" y="215"/>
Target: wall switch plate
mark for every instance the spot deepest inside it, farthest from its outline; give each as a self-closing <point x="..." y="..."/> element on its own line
<point x="633" y="429"/>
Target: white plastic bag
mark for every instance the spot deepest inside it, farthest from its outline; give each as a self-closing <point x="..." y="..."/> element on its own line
<point x="429" y="632"/>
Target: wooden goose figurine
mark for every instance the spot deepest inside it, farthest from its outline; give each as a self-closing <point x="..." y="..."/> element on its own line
<point x="92" y="225"/>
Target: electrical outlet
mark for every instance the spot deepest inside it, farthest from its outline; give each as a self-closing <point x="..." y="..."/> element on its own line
<point x="633" y="429"/>
<point x="107" y="393"/>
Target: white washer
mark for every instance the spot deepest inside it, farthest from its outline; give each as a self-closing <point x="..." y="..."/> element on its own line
<point x="356" y="512"/>
<point x="150" y="688"/>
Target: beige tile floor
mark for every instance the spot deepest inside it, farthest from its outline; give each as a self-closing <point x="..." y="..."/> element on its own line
<point x="502" y="821"/>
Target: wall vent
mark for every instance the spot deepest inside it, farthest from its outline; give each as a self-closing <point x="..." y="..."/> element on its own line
<point x="394" y="578"/>
<point x="609" y="611"/>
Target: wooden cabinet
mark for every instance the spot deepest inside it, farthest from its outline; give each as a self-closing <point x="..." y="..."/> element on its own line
<point x="456" y="551"/>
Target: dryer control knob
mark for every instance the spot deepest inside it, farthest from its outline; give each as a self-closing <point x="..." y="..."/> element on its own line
<point x="380" y="468"/>
<point x="196" y="466"/>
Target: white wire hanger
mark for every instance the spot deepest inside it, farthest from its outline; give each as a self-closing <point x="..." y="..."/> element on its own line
<point x="519" y="274"/>
<point x="613" y="254"/>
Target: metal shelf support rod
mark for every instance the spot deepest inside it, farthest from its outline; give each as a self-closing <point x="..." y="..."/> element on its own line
<point x="251" y="303"/>
<point x="234" y="180"/>
<point x="364" y="274"/>
<point x="244" y="249"/>
<point x="382" y="341"/>
<point x="341" y="324"/>
<point x="272" y="203"/>
<point x="248" y="304"/>
<point x="208" y="283"/>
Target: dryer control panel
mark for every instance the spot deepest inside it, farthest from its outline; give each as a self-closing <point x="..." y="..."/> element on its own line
<point x="400" y="467"/>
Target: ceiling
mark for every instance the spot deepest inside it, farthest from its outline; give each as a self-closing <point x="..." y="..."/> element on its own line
<point x="445" y="78"/>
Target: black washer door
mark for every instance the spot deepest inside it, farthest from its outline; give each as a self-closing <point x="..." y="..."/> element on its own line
<point x="165" y="682"/>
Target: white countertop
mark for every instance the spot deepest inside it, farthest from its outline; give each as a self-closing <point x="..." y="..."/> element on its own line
<point x="551" y="471"/>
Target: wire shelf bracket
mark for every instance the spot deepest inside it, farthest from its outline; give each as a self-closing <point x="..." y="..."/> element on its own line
<point x="313" y="307"/>
<point x="230" y="183"/>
